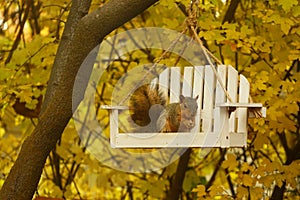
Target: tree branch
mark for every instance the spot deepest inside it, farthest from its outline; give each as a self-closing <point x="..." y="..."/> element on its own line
<point x="229" y="15"/>
<point x="57" y="108"/>
<point x="20" y="32"/>
<point x="176" y="185"/>
<point x="217" y="168"/>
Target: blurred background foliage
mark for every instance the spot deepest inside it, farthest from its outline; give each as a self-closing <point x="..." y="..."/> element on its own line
<point x="259" y="38"/>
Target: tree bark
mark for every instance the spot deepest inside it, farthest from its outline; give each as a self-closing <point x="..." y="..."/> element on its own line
<point x="176" y="185"/>
<point x="229" y="15"/>
<point x="82" y="33"/>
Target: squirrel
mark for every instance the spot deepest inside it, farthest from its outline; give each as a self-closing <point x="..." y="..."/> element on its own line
<point x="149" y="110"/>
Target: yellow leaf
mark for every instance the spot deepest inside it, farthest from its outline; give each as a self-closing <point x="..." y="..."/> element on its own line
<point x="287" y="4"/>
<point x="76" y="149"/>
<point x="2" y="132"/>
<point x="190" y="181"/>
<point x="5" y="73"/>
<point x="215" y="190"/>
<point x="256" y="193"/>
<point x="279" y="179"/>
<point x="242" y="192"/>
<point x="200" y="190"/>
<point x="62" y="152"/>
<point x="170" y="22"/>
<point x="56" y="191"/>
<point x="246" y="167"/>
<point x="296" y="11"/>
<point x="285" y="27"/>
<point x="260" y="140"/>
<point x="230" y="162"/>
<point x="247" y="180"/>
<point x="293" y="169"/>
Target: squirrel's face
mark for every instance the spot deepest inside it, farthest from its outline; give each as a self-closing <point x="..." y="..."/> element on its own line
<point x="189" y="107"/>
<point x="188" y="124"/>
<point x="188" y="112"/>
<point x="188" y="118"/>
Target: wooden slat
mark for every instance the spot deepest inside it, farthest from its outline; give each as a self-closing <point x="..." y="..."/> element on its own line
<point x="208" y="99"/>
<point x="164" y="80"/>
<point x="220" y="95"/>
<point x="244" y="89"/>
<point x="232" y="83"/>
<point x="240" y="105"/>
<point x="114" y="127"/>
<point x="187" y="85"/>
<point x="169" y="140"/>
<point x="175" y="84"/>
<point x="166" y="140"/>
<point x="232" y="88"/>
<point x="108" y="107"/>
<point x="198" y="91"/>
<point x="237" y="138"/>
<point x="221" y="114"/>
<point x="154" y="82"/>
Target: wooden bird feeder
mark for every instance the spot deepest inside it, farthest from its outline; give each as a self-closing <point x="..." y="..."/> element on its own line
<point x="223" y="110"/>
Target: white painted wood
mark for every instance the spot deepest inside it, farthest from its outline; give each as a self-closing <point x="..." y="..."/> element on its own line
<point x="208" y="99"/>
<point x="244" y="91"/>
<point x="263" y="111"/>
<point x="108" y="107"/>
<point x="220" y="95"/>
<point x="232" y="88"/>
<point x="198" y="91"/>
<point x="154" y="82"/>
<point x="164" y="80"/>
<point x="169" y="140"/>
<point x="175" y="84"/>
<point x="187" y="84"/>
<point x="257" y="106"/>
<point x="237" y="138"/>
<point x="114" y="127"/>
<point x="240" y="105"/>
<point x="221" y="114"/>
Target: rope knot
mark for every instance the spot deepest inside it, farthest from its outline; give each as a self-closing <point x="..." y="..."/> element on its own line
<point x="191" y="21"/>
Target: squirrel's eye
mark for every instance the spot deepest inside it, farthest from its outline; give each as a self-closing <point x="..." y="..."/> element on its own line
<point x="184" y="105"/>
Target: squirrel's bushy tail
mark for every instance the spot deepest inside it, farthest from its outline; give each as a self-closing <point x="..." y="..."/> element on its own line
<point x="141" y="101"/>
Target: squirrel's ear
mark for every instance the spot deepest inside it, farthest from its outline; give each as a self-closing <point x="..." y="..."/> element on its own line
<point x="181" y="97"/>
<point x="196" y="97"/>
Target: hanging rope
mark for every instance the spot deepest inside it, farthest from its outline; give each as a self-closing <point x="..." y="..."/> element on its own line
<point x="191" y="23"/>
<point x="152" y="68"/>
<point x="213" y="67"/>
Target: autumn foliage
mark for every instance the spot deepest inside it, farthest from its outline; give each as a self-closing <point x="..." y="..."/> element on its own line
<point x="261" y="39"/>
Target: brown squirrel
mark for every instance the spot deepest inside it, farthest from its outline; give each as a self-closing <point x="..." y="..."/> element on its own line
<point x="149" y="111"/>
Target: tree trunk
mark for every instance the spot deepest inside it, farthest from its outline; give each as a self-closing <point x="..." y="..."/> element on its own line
<point x="80" y="28"/>
<point x="176" y="185"/>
